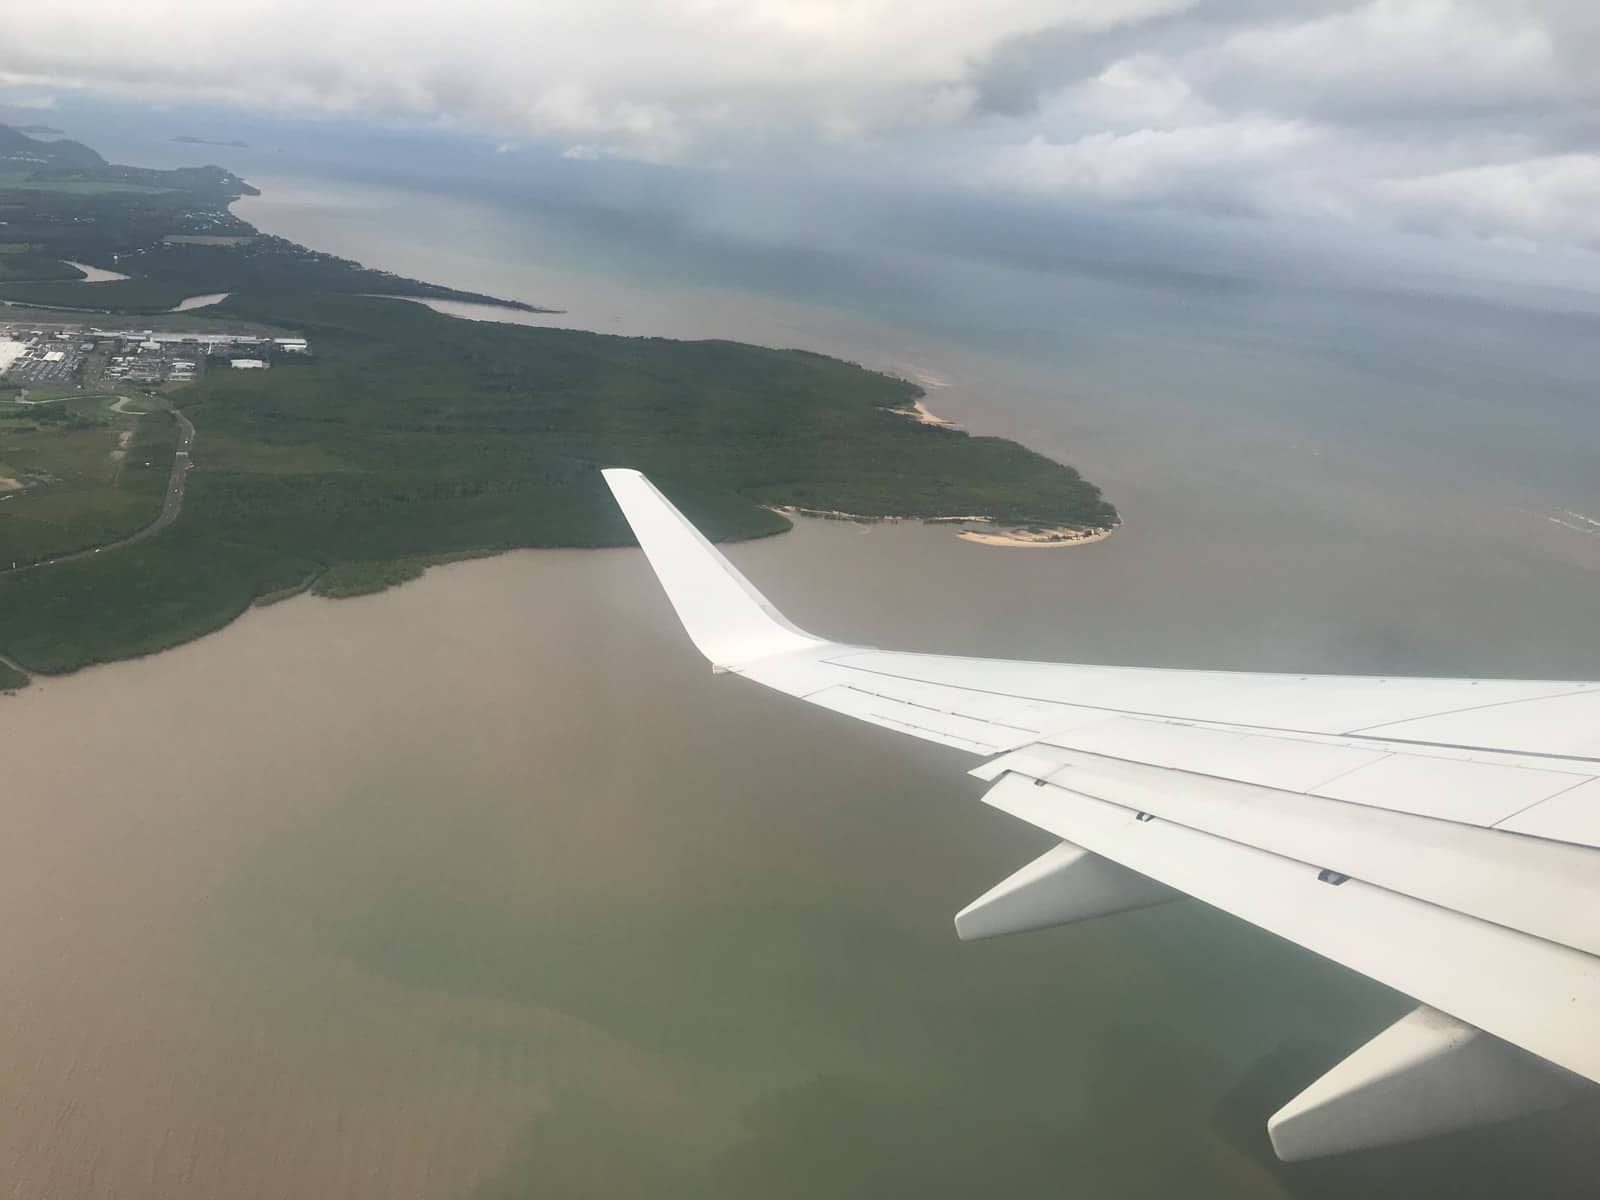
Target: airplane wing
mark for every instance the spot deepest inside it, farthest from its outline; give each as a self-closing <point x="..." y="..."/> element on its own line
<point x="1441" y="836"/>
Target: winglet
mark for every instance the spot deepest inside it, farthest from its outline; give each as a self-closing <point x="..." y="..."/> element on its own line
<point x="728" y="620"/>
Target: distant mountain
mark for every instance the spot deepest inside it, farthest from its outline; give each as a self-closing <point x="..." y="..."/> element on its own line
<point x="16" y="146"/>
<point x="190" y="140"/>
<point x="65" y="161"/>
<point x="39" y="129"/>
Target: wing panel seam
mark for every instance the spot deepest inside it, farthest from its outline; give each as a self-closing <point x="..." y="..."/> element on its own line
<point x="1277" y="729"/>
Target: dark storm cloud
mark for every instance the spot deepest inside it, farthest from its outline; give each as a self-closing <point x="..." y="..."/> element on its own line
<point x="1013" y="77"/>
<point x="1475" y="119"/>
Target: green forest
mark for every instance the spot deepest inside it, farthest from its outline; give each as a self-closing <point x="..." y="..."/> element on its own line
<point x="410" y="437"/>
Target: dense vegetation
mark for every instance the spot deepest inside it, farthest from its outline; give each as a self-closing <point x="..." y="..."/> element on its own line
<point x="170" y="230"/>
<point x="412" y="437"/>
<point x="416" y="436"/>
<point x="19" y="264"/>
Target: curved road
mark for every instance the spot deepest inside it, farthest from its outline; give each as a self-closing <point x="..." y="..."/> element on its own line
<point x="171" y="506"/>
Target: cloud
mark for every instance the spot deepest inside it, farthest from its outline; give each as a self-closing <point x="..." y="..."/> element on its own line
<point x="32" y="102"/>
<point x="1471" y="119"/>
<point x="1188" y="164"/>
<point x="660" y="78"/>
<point x="1400" y="57"/>
<point x="1517" y="203"/>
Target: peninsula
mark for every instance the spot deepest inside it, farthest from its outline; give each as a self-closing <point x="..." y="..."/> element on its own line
<point x="153" y="487"/>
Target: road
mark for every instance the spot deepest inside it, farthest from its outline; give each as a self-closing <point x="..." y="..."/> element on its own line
<point x="171" y="505"/>
<point x="22" y="398"/>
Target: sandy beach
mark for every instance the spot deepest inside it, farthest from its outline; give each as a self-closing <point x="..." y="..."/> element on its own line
<point x="1035" y="539"/>
<point x="920" y="413"/>
<point x="990" y="535"/>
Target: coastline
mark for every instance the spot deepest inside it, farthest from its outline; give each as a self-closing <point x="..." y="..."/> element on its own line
<point x="914" y="475"/>
<point x="923" y="415"/>
<point x="992" y="533"/>
<point x="1035" y="539"/>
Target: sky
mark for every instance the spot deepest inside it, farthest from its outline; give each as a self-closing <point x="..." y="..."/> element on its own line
<point x="1470" y="122"/>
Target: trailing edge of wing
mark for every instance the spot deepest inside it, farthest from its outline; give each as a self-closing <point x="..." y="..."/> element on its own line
<point x="1441" y="836"/>
<point x="729" y="621"/>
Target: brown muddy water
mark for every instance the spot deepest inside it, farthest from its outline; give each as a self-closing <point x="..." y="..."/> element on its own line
<point x="485" y="886"/>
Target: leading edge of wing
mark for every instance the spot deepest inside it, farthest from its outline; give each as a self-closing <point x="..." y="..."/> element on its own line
<point x="727" y="618"/>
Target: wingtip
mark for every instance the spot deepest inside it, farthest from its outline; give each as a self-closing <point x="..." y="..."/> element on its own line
<point x="723" y="613"/>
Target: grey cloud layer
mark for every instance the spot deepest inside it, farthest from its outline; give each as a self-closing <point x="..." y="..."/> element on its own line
<point x="1468" y="118"/>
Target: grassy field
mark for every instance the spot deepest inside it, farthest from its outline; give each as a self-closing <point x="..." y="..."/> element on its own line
<point x="85" y="487"/>
<point x="11" y="680"/>
<point x="25" y="179"/>
<point x="413" y="436"/>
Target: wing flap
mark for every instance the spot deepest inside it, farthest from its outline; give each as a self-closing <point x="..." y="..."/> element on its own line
<point x="1572" y="816"/>
<point x="1543" y="888"/>
<point x="1481" y="972"/>
<point x="1447" y="783"/>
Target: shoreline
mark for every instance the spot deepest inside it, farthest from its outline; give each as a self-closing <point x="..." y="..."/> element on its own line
<point x="1027" y="539"/>
<point x="923" y="415"/>
<point x="993" y="534"/>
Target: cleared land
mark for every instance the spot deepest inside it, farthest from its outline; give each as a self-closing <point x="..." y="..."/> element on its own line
<point x="77" y="475"/>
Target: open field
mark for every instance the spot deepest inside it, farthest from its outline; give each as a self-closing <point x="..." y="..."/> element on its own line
<point x="45" y="318"/>
<point x="83" y="473"/>
<point x="27" y="180"/>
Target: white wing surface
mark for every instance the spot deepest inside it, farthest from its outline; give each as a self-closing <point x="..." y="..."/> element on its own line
<point x="1441" y="836"/>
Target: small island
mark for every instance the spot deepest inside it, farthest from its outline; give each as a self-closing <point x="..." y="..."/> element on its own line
<point x="161" y="474"/>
